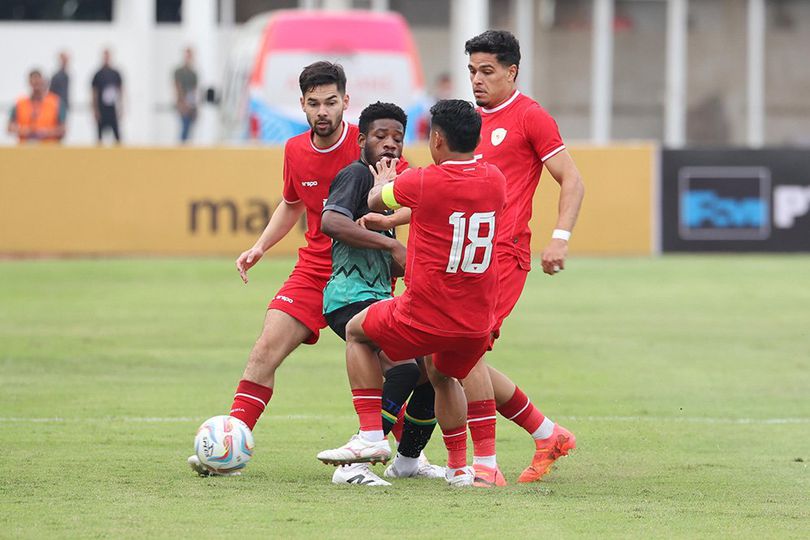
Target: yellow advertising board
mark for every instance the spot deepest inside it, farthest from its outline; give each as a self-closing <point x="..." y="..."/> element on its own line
<point x="218" y="200"/>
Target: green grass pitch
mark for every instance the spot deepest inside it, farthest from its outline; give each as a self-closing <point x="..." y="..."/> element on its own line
<point x="685" y="379"/>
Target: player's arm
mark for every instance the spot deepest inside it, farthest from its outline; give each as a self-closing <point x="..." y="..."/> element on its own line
<point x="381" y="222"/>
<point x="572" y="190"/>
<point x="281" y="222"/>
<point x="345" y="200"/>
<point x="335" y="224"/>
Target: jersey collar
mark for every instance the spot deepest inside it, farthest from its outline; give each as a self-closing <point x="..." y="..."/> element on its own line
<point x="503" y="105"/>
<point x="345" y="128"/>
<point x="456" y="162"/>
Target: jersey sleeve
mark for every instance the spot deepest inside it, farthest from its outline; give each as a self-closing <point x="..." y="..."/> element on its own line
<point x="408" y="188"/>
<point x="542" y="132"/>
<point x="345" y="193"/>
<point x="288" y="192"/>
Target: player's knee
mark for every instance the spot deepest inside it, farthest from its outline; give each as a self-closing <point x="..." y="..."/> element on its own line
<point x="436" y="377"/>
<point x="405" y="374"/>
<point x="354" y="329"/>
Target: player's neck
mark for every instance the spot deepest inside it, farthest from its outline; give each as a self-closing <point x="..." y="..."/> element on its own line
<point x="503" y="99"/>
<point x="327" y="142"/>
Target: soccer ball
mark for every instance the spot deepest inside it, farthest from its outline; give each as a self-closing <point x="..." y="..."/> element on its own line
<point x="224" y="444"/>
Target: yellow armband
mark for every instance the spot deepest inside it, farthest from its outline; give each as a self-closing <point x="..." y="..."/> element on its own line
<point x="388" y="196"/>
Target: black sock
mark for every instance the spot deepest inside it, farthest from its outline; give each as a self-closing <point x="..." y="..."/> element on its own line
<point x="399" y="383"/>
<point x="419" y="421"/>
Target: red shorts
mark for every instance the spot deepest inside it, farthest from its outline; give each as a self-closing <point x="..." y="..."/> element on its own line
<point x="511" y="280"/>
<point x="301" y="297"/>
<point x="453" y="356"/>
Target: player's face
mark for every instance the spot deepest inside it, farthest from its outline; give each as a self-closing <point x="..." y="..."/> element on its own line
<point x="324" y="107"/>
<point x="384" y="140"/>
<point x="492" y="82"/>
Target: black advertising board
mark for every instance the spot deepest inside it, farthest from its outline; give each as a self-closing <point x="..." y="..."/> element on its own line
<point x="735" y="200"/>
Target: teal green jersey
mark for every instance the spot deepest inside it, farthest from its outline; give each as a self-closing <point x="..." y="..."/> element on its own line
<point x="357" y="273"/>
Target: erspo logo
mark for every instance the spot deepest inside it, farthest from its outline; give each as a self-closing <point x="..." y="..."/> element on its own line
<point x="724" y="203"/>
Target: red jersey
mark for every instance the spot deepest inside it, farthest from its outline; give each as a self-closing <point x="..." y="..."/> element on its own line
<point x="517" y="136"/>
<point x="451" y="272"/>
<point x="308" y="173"/>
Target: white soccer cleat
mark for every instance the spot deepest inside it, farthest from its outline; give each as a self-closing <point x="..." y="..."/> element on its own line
<point x="197" y="466"/>
<point x="357" y="473"/>
<point x="357" y="450"/>
<point x="460" y="477"/>
<point x="427" y="469"/>
<point x="424" y="470"/>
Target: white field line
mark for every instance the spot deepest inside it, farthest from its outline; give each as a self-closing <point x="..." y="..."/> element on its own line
<point x="326" y="418"/>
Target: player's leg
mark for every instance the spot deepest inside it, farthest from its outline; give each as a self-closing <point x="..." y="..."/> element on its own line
<point x="400" y="381"/>
<point x="481" y="416"/>
<point x="281" y="335"/>
<point x="551" y="441"/>
<point x="366" y="382"/>
<point x="451" y="413"/>
<point x="419" y="420"/>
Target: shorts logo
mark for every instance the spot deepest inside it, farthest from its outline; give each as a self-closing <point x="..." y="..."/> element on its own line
<point x="498" y="136"/>
<point x="724" y="203"/>
<point x="311" y="183"/>
<point x="284" y="298"/>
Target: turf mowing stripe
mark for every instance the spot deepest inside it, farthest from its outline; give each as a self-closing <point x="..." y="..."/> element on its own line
<point x="319" y="417"/>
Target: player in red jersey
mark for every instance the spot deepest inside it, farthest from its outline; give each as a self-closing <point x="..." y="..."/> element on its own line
<point x="520" y="138"/>
<point x="295" y="315"/>
<point x="448" y="308"/>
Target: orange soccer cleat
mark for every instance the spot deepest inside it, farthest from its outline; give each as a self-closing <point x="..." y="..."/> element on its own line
<point x="548" y="451"/>
<point x="488" y="477"/>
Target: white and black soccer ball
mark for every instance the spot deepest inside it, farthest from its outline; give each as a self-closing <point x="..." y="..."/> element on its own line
<point x="224" y="444"/>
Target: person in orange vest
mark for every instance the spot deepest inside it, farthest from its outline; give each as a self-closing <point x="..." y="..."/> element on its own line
<point x="40" y="116"/>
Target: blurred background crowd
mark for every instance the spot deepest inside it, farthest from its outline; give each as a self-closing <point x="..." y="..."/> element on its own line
<point x="167" y="72"/>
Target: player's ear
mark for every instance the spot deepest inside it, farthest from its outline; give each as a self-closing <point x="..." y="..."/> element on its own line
<point x="345" y="101"/>
<point x="361" y="140"/>
<point x="512" y="73"/>
<point x="301" y="99"/>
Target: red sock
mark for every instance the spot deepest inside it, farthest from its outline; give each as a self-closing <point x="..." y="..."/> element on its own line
<point x="368" y="404"/>
<point x="522" y="412"/>
<point x="455" y="440"/>
<point x="481" y="419"/>
<point x="250" y="401"/>
<point x="396" y="431"/>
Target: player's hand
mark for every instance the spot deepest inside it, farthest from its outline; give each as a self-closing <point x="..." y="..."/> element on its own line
<point x="246" y="261"/>
<point x="385" y="171"/>
<point x="375" y="222"/>
<point x="399" y="253"/>
<point x="554" y="256"/>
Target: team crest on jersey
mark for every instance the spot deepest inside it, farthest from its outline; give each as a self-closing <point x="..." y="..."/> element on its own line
<point x="498" y="136"/>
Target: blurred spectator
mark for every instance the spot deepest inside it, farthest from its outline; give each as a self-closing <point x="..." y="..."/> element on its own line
<point x="185" y="85"/>
<point x="60" y="82"/>
<point x="40" y="116"/>
<point x="442" y="89"/>
<point x="108" y="87"/>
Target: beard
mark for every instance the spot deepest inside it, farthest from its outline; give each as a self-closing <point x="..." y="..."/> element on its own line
<point x="324" y="130"/>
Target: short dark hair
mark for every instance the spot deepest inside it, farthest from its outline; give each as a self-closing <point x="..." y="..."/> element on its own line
<point x="501" y="43"/>
<point x="459" y="122"/>
<point x="320" y="74"/>
<point x="34" y="73"/>
<point x="379" y="111"/>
